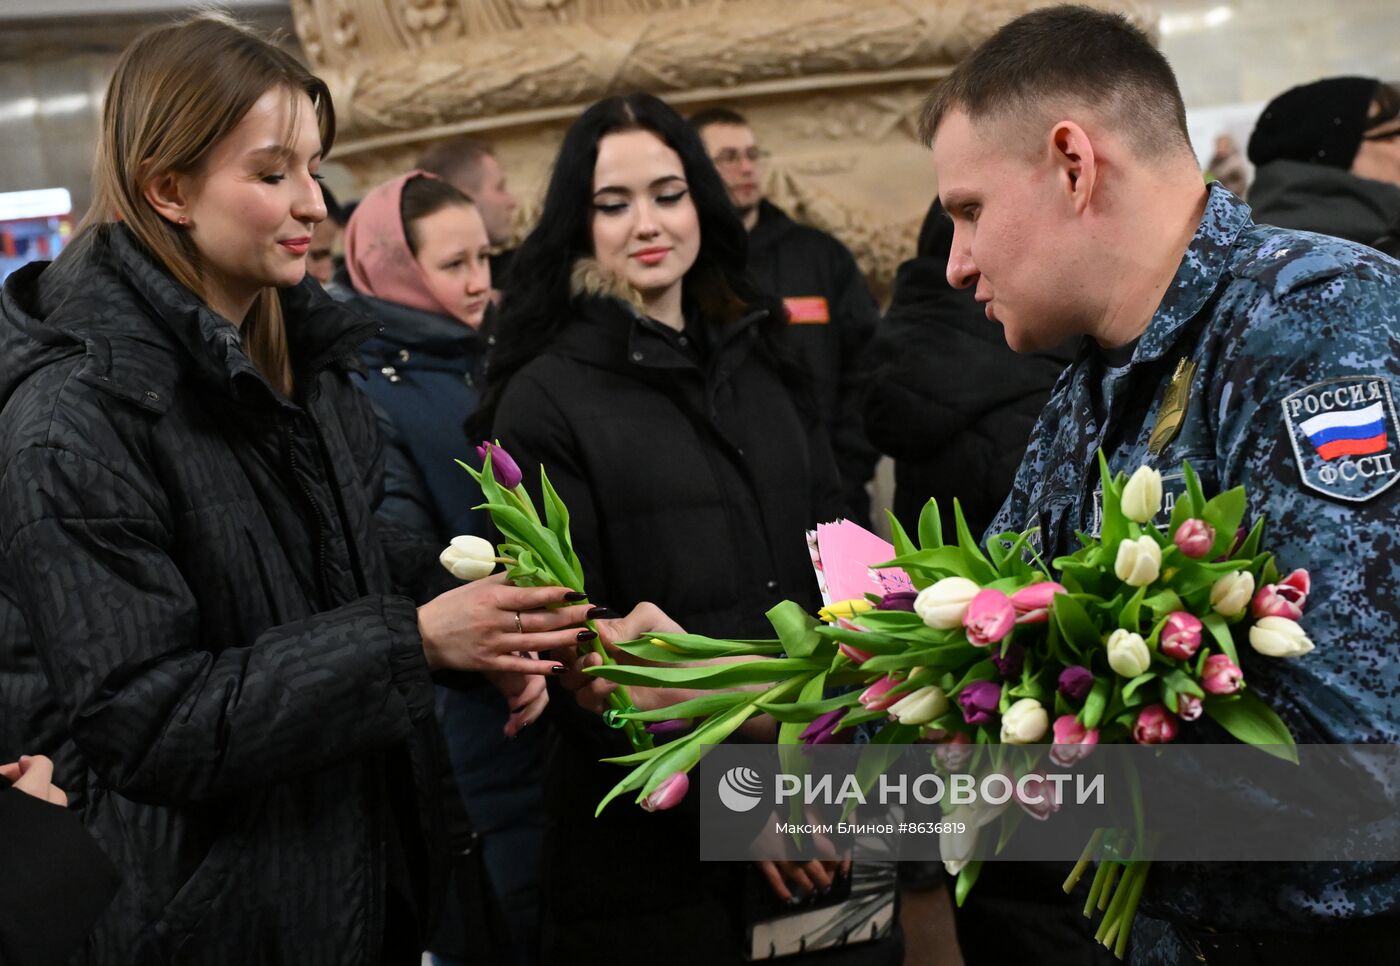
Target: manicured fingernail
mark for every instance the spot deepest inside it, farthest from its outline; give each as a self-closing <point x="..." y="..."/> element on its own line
<point x="585" y="635"/>
<point x="596" y="612"/>
<point x="792" y="901"/>
<point x="558" y="669"/>
<point x="575" y="596"/>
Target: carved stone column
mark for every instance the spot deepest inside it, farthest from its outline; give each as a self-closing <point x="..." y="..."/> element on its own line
<point x="832" y="87"/>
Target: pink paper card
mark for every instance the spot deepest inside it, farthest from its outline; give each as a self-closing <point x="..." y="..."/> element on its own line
<point x="845" y="555"/>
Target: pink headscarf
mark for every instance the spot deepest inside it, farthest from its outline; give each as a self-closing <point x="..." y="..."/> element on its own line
<point x="377" y="253"/>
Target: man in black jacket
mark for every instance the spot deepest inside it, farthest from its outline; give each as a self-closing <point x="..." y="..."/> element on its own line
<point x="831" y="313"/>
<point x="948" y="399"/>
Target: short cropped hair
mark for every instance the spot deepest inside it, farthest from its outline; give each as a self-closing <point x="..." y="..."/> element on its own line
<point x="717" y="115"/>
<point x="455" y="160"/>
<point x="1068" y="53"/>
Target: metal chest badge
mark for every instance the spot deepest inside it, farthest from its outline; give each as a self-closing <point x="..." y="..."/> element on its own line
<point x="1344" y="436"/>
<point x="1172" y="410"/>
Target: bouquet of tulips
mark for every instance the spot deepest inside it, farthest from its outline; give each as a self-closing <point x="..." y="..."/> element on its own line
<point x="1131" y="638"/>
<point x="537" y="552"/>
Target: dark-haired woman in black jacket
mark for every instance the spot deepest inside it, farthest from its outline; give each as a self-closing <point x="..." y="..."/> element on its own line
<point x="637" y="363"/>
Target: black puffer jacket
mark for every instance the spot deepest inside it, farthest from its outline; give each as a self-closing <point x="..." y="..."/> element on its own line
<point x="690" y="477"/>
<point x="204" y="625"/>
<point x="1327" y="200"/>
<point x="949" y="400"/>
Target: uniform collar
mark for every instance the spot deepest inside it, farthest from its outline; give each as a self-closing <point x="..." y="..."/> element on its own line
<point x="1206" y="261"/>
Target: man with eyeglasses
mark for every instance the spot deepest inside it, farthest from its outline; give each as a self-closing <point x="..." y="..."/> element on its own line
<point x="1328" y="157"/>
<point x="831" y="312"/>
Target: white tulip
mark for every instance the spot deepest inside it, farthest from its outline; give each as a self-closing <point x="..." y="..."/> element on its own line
<point x="1279" y="637"/>
<point x="1128" y="654"/>
<point x="1024" y="723"/>
<point x="468" y="558"/>
<point x="921" y="706"/>
<point x="1231" y="594"/>
<point x="1139" y="561"/>
<point x="943" y="604"/>
<point x="1142" y="497"/>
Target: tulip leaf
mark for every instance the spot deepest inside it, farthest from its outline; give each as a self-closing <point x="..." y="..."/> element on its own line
<point x="1250" y="548"/>
<point x="981" y="671"/>
<point x="519" y="529"/>
<point x="967" y="878"/>
<point x="557" y="516"/>
<point x="935" y="563"/>
<point x="633" y="779"/>
<point x="1252" y="721"/>
<point x="1220" y="630"/>
<point x="790" y="727"/>
<point x="706" y="676"/>
<point x="795" y="628"/>
<point x="1163" y="603"/>
<point x="1194" y="494"/>
<point x="806" y="709"/>
<point x="947" y="657"/>
<point x="930" y="526"/>
<point x="706" y="704"/>
<point x="1114" y="525"/>
<point x="1224" y="511"/>
<point x="685" y="646"/>
<point x="1095" y="704"/>
<point x="1077" y="628"/>
<point x="1136" y="683"/>
<point x="978" y="567"/>
<point x="1183" y="683"/>
<point x="873" y="641"/>
<point x="1128" y="617"/>
<point x="903" y="546"/>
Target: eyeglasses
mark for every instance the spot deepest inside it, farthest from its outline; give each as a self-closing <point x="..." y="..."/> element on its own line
<point x="730" y="156"/>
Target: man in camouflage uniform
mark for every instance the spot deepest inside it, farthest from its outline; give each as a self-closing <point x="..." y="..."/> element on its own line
<point x="1268" y="358"/>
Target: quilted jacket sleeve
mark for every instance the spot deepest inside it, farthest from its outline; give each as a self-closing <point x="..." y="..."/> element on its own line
<point x="158" y="716"/>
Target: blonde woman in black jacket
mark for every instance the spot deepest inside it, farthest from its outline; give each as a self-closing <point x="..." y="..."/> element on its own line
<point x="226" y="655"/>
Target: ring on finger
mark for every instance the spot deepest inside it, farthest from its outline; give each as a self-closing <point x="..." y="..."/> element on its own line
<point x="518" y="628"/>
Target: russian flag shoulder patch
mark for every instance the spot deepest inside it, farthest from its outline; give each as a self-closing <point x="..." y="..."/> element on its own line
<point x="1343" y="432"/>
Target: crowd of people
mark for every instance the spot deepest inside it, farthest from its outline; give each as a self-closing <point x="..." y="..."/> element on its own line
<point x="245" y="714"/>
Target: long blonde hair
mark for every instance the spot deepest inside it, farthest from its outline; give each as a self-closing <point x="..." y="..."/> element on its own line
<point x="176" y="93"/>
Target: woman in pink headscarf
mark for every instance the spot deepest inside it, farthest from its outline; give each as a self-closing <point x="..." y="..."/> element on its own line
<point x="416" y="253"/>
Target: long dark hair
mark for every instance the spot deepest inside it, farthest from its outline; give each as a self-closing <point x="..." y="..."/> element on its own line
<point x="539" y="299"/>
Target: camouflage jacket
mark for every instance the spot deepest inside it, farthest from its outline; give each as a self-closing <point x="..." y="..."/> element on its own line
<point x="1289" y="343"/>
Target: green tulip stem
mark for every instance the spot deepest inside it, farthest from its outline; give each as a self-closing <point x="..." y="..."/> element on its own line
<point x="620" y="699"/>
<point x="1125" y="927"/>
<point x="1089" y="849"/>
<point x="1110" y="918"/>
<point x="1112" y="876"/>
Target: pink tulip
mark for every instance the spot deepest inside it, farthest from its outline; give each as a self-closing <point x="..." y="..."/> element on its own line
<point x="955" y="753"/>
<point x="1222" y="675"/>
<point x="1033" y="603"/>
<point x="1195" y="538"/>
<point x="1181" y="636"/>
<point x="1073" y="741"/>
<point x="877" y="697"/>
<point x="857" y="656"/>
<point x="1188" y="707"/>
<point x="990" y="617"/>
<point x="1155" y="726"/>
<point x="1038" y="797"/>
<point x="1283" y="599"/>
<point x="668" y="794"/>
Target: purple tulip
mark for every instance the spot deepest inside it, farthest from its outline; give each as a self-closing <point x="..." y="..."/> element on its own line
<point x="822" y="731"/>
<point x="669" y="726"/>
<point x="979" y="701"/>
<point x="1076" y="681"/>
<point x="1009" y="665"/>
<point x="668" y="794"/>
<point x="898" y="600"/>
<point x="503" y="466"/>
